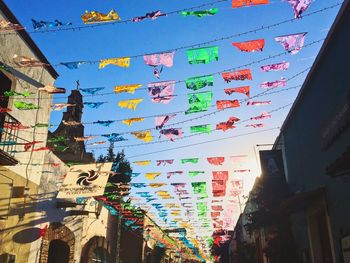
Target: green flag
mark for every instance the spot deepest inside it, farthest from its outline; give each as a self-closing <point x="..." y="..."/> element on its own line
<point x="189" y="160"/>
<point x="196" y="83"/>
<point x="25" y="106"/>
<point x="56" y="139"/>
<point x="199" y="187"/>
<point x="203" y="55"/>
<point x="199" y="101"/>
<point x="201" y="129"/>
<point x="195" y="173"/>
<point x="202" y="209"/>
<point x="210" y="12"/>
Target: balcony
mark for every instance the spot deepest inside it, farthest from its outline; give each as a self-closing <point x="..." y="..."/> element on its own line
<point x="8" y="139"/>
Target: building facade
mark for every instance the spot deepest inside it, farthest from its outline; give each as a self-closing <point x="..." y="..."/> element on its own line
<point x="315" y="140"/>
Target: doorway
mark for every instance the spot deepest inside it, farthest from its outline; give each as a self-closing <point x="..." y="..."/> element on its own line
<point x="58" y="252"/>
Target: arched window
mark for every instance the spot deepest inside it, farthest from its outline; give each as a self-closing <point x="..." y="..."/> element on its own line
<point x="58" y="252"/>
<point x="101" y="255"/>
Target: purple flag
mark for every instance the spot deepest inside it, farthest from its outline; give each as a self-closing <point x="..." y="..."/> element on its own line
<point x="162" y="120"/>
<point x="292" y="43"/>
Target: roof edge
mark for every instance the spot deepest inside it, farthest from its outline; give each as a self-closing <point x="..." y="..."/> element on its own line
<point x="28" y="40"/>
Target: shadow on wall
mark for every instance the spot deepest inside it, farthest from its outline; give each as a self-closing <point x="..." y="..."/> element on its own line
<point x="39" y="209"/>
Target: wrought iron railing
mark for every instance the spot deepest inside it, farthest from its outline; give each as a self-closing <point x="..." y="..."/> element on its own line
<point x="8" y="134"/>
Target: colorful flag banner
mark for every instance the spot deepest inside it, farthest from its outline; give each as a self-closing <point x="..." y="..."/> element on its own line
<point x="273" y="84"/>
<point x="199" y="102"/>
<point x="226" y="104"/>
<point x="94" y="105"/>
<point x="299" y="6"/>
<point x="196" y="83"/>
<point x="201" y="129"/>
<point x="201" y="13"/>
<point x="92" y="91"/>
<point x="142" y="163"/>
<point x="262" y="116"/>
<point x="161" y="91"/>
<point x="161" y="59"/>
<point x="250" y="46"/>
<point x="152" y="15"/>
<point x="114" y="137"/>
<point x="7" y="26"/>
<point x="152" y="176"/>
<point x="97" y="17"/>
<point x="216" y="160"/>
<point x="243" y="3"/>
<point x="164" y="162"/>
<point x="27" y="62"/>
<point x="38" y="25"/>
<point x="224" y="126"/>
<point x="127" y="88"/>
<point x="243" y="74"/>
<point x="25" y="106"/>
<point x="130" y="121"/>
<point x="145" y="136"/>
<point x="292" y="43"/>
<point x="275" y="67"/>
<point x="129" y="104"/>
<point x="104" y="123"/>
<point x="162" y="120"/>
<point x="190" y="160"/>
<point x="203" y="55"/>
<point x="258" y="103"/>
<point x="195" y="173"/>
<point x="120" y="62"/>
<point x="73" y="64"/>
<point x="243" y="90"/>
<point x="85" y="180"/>
<point x="172" y="133"/>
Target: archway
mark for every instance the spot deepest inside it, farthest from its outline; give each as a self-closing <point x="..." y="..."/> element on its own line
<point x="97" y="249"/>
<point x="58" y="252"/>
<point x="55" y="236"/>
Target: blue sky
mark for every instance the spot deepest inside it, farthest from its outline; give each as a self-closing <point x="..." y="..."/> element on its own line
<point x="167" y="33"/>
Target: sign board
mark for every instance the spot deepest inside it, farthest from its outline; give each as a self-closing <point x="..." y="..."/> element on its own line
<point x="271" y="162"/>
<point x="85" y="180"/>
<point x="345" y="245"/>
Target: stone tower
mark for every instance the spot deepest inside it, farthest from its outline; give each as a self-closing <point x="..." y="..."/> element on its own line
<point x="76" y="151"/>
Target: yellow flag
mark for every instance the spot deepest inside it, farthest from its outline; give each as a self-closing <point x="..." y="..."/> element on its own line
<point x="97" y="17"/>
<point x="145" y="136"/>
<point x="142" y="163"/>
<point x="127" y="88"/>
<point x="129" y="122"/>
<point x="157" y="185"/>
<point x="151" y="176"/>
<point x="121" y="62"/>
<point x="129" y="104"/>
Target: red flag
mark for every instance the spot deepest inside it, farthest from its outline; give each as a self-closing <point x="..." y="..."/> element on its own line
<point x="237" y="75"/>
<point x="242" y="3"/>
<point x="244" y="90"/>
<point x="216" y="160"/>
<point x="250" y="46"/>
<point x="225" y="104"/>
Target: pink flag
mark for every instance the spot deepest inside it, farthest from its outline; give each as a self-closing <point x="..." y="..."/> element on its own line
<point x="164" y="162"/>
<point x="274" y="84"/>
<point x="172" y="133"/>
<point x="258" y="103"/>
<point x="256" y="125"/>
<point x="275" y="67"/>
<point x="161" y="91"/>
<point x="165" y="59"/>
<point x="244" y="90"/>
<point x="292" y="43"/>
<point x="299" y="6"/>
<point x="162" y="120"/>
<point x="263" y="115"/>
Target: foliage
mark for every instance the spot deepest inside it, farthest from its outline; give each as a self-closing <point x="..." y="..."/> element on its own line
<point x="120" y="165"/>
